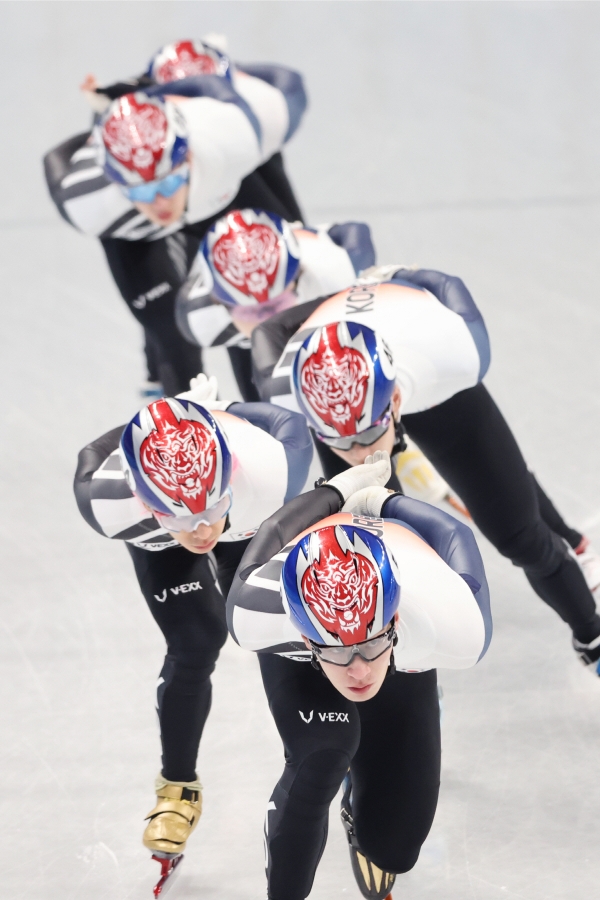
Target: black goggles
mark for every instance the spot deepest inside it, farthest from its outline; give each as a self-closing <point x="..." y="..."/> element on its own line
<point x="364" y="438"/>
<point x="368" y="651"/>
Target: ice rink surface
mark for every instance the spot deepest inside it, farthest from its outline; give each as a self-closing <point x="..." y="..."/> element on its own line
<point x="467" y="135"/>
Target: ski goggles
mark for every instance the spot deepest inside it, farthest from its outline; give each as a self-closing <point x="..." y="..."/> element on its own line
<point x="364" y="438"/>
<point x="367" y="650"/>
<point x="166" y="187"/>
<point x="190" y="523"/>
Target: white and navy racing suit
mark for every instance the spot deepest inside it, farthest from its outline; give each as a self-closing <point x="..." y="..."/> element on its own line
<point x="390" y="743"/>
<point x="331" y="257"/>
<point x="186" y="592"/>
<point x="441" y="353"/>
<point x="236" y="134"/>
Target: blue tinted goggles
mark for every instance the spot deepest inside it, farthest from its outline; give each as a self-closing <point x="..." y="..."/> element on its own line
<point x="166" y="187"/>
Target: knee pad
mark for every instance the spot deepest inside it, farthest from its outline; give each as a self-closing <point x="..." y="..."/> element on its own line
<point x="182" y="670"/>
<point x="536" y="549"/>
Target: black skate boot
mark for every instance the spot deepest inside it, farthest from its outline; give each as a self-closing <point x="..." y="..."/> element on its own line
<point x="373" y="883"/>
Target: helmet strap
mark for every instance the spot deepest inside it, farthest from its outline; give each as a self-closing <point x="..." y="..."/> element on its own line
<point x="314" y="661"/>
<point x="399" y="432"/>
<point x="392" y="666"/>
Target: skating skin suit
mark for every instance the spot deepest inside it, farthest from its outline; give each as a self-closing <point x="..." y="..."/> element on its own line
<point x="390" y="744"/>
<point x="271" y="457"/>
<point x="271" y="453"/>
<point x="429" y="321"/>
<point x="439" y="355"/>
<point x="331" y="256"/>
<point x="233" y="129"/>
<point x="445" y="618"/>
<point x="232" y="134"/>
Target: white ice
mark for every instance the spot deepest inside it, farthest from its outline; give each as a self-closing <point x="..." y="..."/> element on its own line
<point x="467" y="135"/>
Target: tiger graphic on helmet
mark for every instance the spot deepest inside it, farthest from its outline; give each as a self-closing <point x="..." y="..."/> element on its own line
<point x="184" y="59"/>
<point x="335" y="380"/>
<point x="340" y="585"/>
<point x="342" y="378"/>
<point x="252" y="256"/>
<point x="176" y="457"/>
<point x="141" y="139"/>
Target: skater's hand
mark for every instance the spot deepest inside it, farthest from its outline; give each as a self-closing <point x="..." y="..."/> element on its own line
<point x="376" y="470"/>
<point x="202" y="390"/>
<point x="98" y="102"/>
<point x="89" y="83"/>
<point x="368" y="501"/>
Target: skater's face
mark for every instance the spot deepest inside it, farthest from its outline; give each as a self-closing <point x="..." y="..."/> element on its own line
<point x="357" y="454"/>
<point x="360" y="680"/>
<point x="203" y="539"/>
<point x="166" y="210"/>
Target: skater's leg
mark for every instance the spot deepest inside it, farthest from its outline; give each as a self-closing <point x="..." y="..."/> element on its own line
<point x="275" y="177"/>
<point x="396" y="770"/>
<point x="149" y="275"/>
<point x="256" y="192"/>
<point x="187" y="605"/>
<point x="470" y="444"/>
<point x="553" y="518"/>
<point x="241" y="363"/>
<point x="228" y="555"/>
<point x="320" y="731"/>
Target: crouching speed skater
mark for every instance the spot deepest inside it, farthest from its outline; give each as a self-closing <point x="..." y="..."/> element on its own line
<point x="185" y="484"/>
<point x="411" y="344"/>
<point x="376" y="590"/>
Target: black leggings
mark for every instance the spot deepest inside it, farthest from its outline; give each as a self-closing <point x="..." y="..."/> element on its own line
<point x="470" y="444"/>
<point x="185" y="599"/>
<point x="149" y="275"/>
<point x="391" y="745"/>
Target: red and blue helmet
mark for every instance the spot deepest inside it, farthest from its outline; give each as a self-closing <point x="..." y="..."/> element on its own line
<point x="141" y="139"/>
<point x="340" y="584"/>
<point x="184" y="59"/>
<point x="251" y="256"/>
<point x="343" y="378"/>
<point x="175" y="457"/>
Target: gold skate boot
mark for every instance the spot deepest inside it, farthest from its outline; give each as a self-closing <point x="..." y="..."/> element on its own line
<point x="176" y="814"/>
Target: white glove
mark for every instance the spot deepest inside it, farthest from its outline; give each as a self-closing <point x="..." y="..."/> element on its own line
<point x="375" y="274"/>
<point x="367" y="502"/>
<point x="216" y="40"/>
<point x="203" y="390"/>
<point x="376" y="470"/>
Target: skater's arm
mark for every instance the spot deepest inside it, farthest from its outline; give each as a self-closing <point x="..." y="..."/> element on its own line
<point x="89" y="462"/>
<point x="454" y="295"/>
<point x="105" y="500"/>
<point x="291" y="430"/>
<point x="200" y="320"/>
<point x="288" y="84"/>
<point x="453" y="541"/>
<point x="255" y="614"/>
<point x="83" y="195"/>
<point x="355" y="238"/>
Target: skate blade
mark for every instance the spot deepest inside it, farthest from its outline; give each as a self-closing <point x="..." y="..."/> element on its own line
<point x="169" y="870"/>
